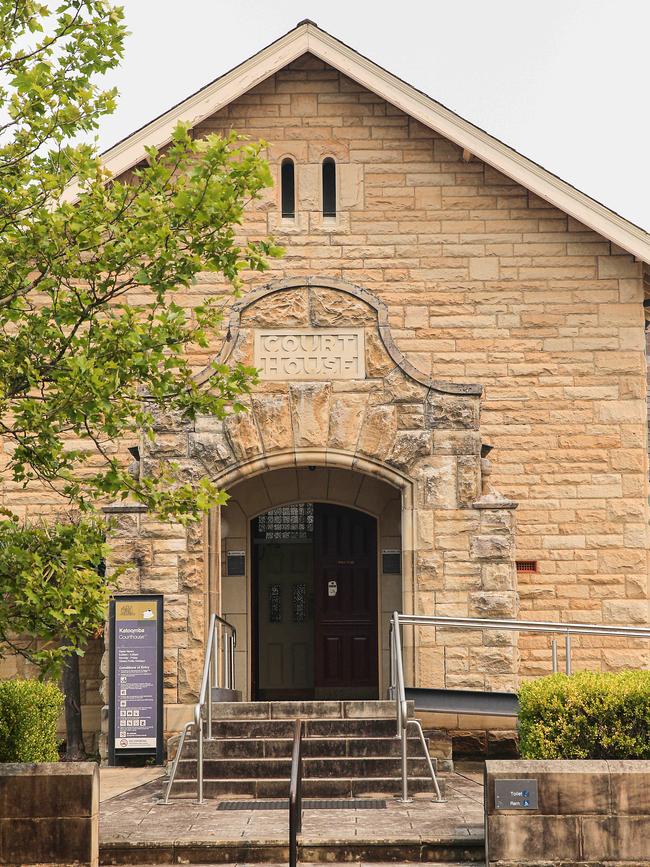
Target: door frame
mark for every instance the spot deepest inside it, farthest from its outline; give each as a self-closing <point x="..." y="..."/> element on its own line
<point x="253" y="589"/>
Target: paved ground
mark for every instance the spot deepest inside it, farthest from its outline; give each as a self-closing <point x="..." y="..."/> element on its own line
<point x="137" y="817"/>
<point x="116" y="781"/>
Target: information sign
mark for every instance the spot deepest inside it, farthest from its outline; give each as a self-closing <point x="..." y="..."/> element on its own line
<point x="515" y="795"/>
<point x="136" y="677"/>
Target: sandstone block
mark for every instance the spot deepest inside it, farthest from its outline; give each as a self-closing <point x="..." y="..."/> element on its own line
<point x="212" y="450"/>
<point x="329" y="307"/>
<point x="346" y="417"/>
<point x="469" y="479"/>
<point x="492" y="660"/>
<point x="532" y="839"/>
<point x="492" y="604"/>
<point x="491" y="547"/>
<point x="243" y="435"/>
<point x="378" y="361"/>
<point x="439" y="481"/>
<point x="310" y="413"/>
<point x="273" y="416"/>
<point x="402" y="389"/>
<point x="408" y="447"/>
<point x="378" y="430"/>
<point x="451" y="412"/>
<point x="626" y="611"/>
<point x="286" y="308"/>
<point x="452" y="442"/>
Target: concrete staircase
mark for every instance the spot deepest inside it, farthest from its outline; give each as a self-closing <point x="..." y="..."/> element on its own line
<point x="349" y="750"/>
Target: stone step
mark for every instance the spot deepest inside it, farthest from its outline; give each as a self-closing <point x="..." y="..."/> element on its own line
<point x="317" y="727"/>
<point x="255" y="710"/>
<point x="265" y="768"/>
<point x="453" y="851"/>
<point x="271" y="748"/>
<point x="314" y="787"/>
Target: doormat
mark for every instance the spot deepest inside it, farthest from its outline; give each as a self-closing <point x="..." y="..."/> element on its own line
<point x="321" y="804"/>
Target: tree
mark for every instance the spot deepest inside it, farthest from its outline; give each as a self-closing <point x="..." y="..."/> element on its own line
<point x="81" y="366"/>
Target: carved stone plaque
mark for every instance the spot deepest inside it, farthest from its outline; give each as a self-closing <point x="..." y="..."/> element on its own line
<point x="310" y="354"/>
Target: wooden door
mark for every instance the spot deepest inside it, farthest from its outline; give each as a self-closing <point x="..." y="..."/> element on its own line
<point x="345" y="590"/>
<point x="285" y="625"/>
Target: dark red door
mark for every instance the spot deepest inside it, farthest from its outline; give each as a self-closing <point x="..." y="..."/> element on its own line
<point x="345" y="589"/>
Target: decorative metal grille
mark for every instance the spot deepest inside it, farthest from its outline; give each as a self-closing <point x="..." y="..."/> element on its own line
<point x="299" y="603"/>
<point x="275" y="603"/>
<point x="287" y="522"/>
<point x="526" y="565"/>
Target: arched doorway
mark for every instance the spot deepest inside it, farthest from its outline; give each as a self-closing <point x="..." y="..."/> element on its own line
<point x="315" y="603"/>
<point x="325" y="514"/>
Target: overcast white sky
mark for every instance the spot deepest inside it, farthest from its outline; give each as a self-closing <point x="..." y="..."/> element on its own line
<point x="565" y="82"/>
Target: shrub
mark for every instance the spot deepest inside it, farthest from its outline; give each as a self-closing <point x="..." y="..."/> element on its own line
<point x="587" y="715"/>
<point x="29" y="711"/>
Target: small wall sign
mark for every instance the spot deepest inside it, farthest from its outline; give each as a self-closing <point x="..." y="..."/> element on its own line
<point x="516" y="795"/>
<point x="391" y="561"/>
<point x="332" y="588"/>
<point x="236" y="563"/>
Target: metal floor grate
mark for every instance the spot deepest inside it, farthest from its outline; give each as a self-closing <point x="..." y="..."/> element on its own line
<point x="307" y="804"/>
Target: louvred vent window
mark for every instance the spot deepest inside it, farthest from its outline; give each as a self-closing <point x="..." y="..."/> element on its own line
<point x="526" y="565"/>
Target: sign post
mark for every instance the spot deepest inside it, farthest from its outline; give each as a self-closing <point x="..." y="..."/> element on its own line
<point x="136" y="678"/>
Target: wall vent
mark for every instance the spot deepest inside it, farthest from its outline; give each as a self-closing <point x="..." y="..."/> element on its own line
<point x="526" y="565"/>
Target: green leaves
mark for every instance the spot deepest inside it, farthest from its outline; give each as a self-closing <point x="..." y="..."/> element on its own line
<point x="588" y="715"/>
<point x="94" y="339"/>
<point x="53" y="593"/>
<point x="79" y="358"/>
<point x="29" y="714"/>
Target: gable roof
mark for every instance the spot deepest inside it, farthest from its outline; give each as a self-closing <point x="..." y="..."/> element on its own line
<point x="308" y="37"/>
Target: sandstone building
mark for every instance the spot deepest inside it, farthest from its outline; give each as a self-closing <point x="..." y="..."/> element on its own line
<point x="441" y="296"/>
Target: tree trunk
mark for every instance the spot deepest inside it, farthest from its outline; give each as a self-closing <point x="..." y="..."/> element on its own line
<point x="75" y="747"/>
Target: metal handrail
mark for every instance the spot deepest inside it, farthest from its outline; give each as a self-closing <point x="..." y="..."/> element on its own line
<point x="398" y="688"/>
<point x="401" y="711"/>
<point x="209" y="680"/>
<point x="522" y="625"/>
<point x="295" y="793"/>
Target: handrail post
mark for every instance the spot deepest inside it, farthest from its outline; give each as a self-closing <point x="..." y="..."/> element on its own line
<point x="400" y="705"/>
<point x="567" y="646"/>
<point x="211" y="680"/>
<point x="391" y="645"/>
<point x="554" y="654"/>
<point x="216" y="675"/>
<point x="232" y="661"/>
<point x="405" y="785"/>
<point x="199" y="763"/>
<point x="396" y="650"/>
<point x="295" y="793"/>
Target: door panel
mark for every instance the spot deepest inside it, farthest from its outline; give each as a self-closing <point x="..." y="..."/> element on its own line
<point x="285" y="644"/>
<point x="345" y="587"/>
<point x="316" y="603"/>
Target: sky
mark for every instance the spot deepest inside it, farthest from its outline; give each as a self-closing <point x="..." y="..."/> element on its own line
<point x="565" y="82"/>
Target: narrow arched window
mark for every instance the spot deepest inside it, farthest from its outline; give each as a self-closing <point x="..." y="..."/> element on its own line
<point x="329" y="187"/>
<point x="288" y="184"/>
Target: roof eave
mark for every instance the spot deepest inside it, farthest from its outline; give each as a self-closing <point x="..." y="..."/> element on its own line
<point x="307" y="37"/>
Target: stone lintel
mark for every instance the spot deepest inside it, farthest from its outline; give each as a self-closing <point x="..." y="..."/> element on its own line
<point x="125" y="509"/>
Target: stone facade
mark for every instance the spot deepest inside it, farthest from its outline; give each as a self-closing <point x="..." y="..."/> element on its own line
<point x="419" y="436"/>
<point x="455" y="274"/>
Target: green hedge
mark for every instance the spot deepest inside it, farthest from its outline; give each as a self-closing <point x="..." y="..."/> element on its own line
<point x="29" y="711"/>
<point x="587" y="715"/>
